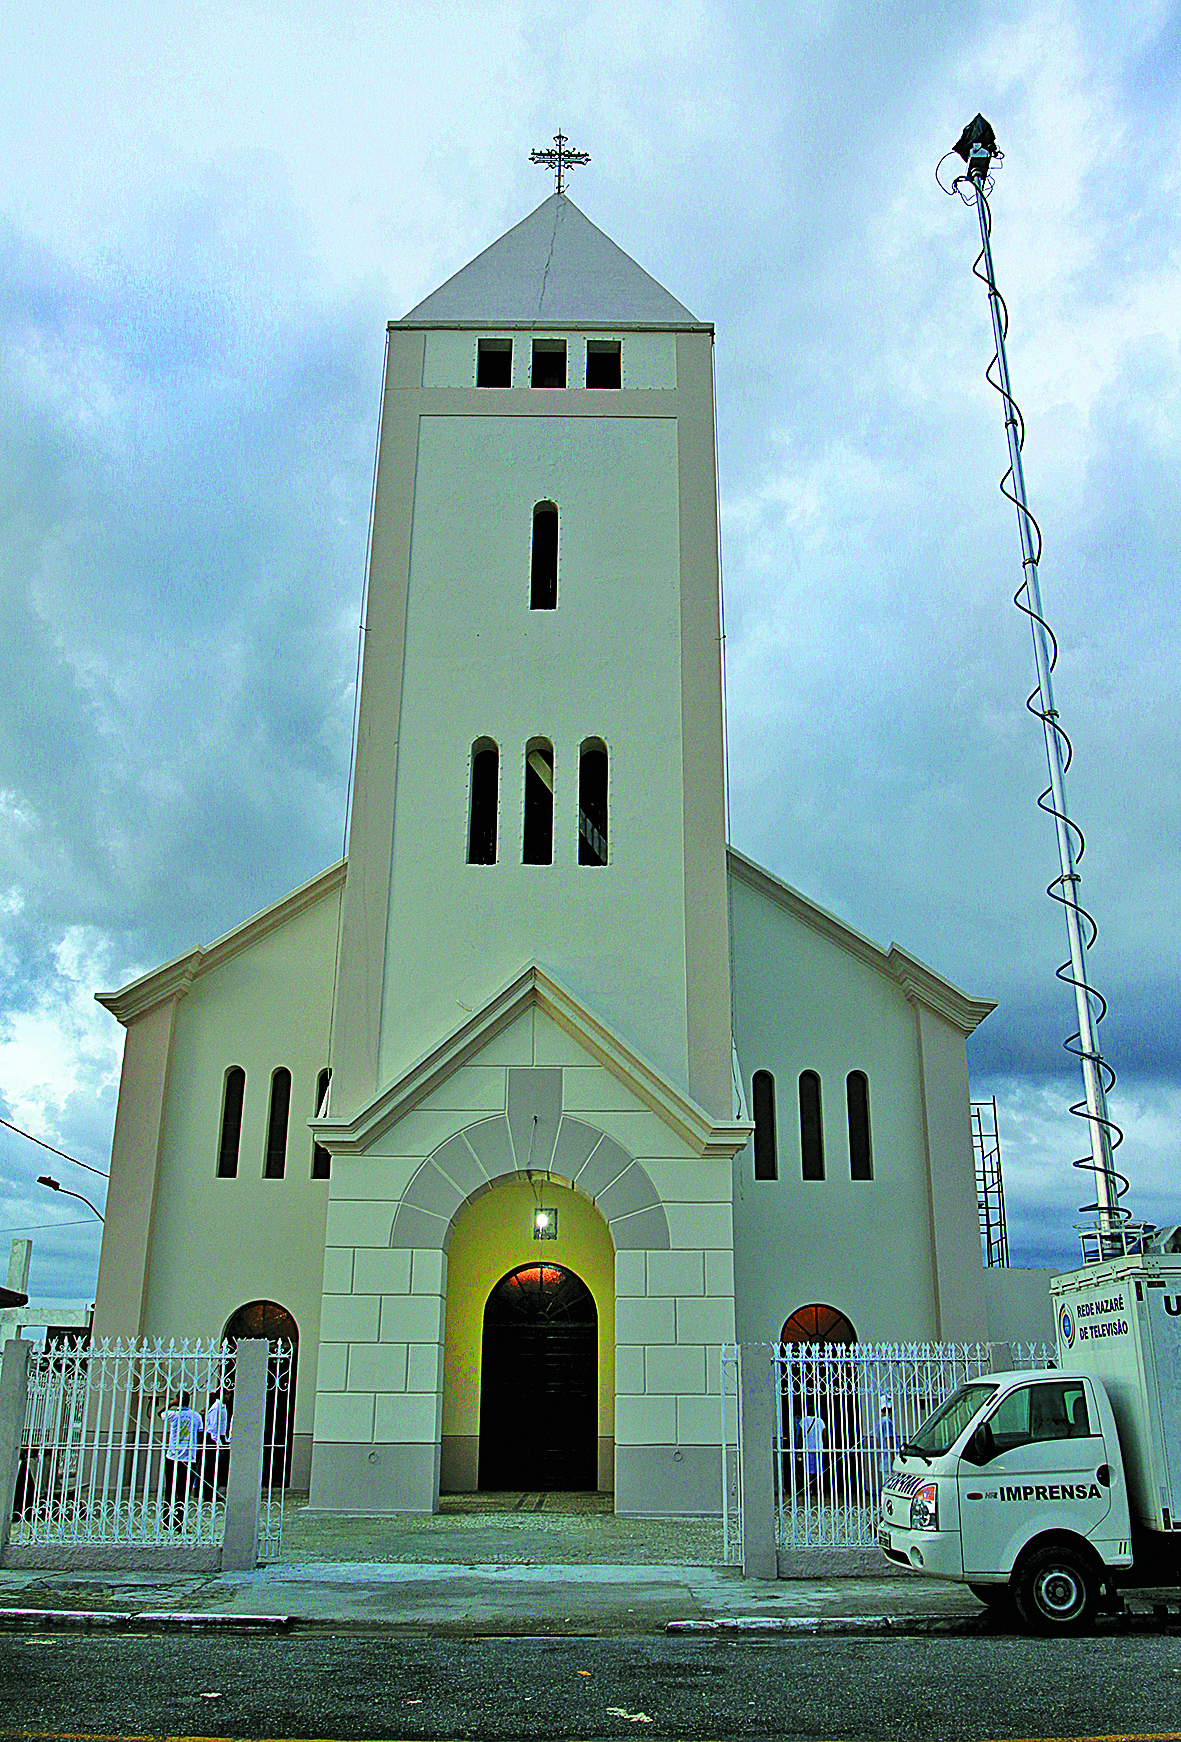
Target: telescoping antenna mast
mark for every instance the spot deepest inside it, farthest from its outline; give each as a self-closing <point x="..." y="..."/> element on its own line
<point x="1114" y="1233"/>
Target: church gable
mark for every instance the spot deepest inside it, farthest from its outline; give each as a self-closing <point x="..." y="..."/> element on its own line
<point x="808" y="922"/>
<point x="533" y="1023"/>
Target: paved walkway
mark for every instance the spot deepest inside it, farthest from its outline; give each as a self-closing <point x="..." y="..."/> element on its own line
<point x="520" y="1563"/>
<point x="471" y="1529"/>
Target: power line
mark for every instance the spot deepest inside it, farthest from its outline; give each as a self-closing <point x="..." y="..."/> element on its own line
<point x="39" y="1227"/>
<point x="7" y="1123"/>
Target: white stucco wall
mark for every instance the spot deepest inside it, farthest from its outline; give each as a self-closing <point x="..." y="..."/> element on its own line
<point x="219" y="1243"/>
<point x="802" y="1002"/>
<point x="1020" y="1309"/>
<point x="479" y="663"/>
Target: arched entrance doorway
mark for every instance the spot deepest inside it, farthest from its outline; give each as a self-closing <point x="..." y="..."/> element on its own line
<point x="274" y="1324"/>
<point x="539" y="1382"/>
<point x="819" y="1401"/>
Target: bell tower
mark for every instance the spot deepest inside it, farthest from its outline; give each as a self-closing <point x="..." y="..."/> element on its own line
<point x="540" y="766"/>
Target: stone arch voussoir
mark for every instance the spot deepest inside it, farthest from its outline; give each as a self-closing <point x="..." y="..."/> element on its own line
<point x="470" y="1162"/>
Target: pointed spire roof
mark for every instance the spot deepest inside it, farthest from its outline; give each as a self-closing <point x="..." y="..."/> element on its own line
<point x="554" y="268"/>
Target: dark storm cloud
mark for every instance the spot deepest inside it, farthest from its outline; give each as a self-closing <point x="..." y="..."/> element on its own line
<point x="181" y="570"/>
<point x="184" y="476"/>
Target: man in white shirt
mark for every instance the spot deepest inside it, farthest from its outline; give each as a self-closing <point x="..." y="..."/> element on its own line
<point x="888" y="1440"/>
<point x="182" y="1455"/>
<point x="812" y="1441"/>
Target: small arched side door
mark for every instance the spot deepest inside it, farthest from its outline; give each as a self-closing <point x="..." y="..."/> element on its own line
<point x="268" y="1320"/>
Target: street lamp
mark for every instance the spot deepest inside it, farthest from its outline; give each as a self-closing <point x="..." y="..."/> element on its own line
<point x="45" y="1179"/>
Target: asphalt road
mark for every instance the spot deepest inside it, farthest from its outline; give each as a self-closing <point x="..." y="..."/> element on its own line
<point x="342" y="1685"/>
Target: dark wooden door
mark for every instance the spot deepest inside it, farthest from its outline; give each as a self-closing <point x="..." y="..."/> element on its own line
<point x="539" y="1382"/>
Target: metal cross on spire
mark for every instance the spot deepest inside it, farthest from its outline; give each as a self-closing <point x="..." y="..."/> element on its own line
<point x="559" y="158"/>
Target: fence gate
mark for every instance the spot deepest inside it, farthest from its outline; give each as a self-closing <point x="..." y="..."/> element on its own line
<point x="276" y="1448"/>
<point x="130" y="1445"/>
<point x="845" y="1409"/>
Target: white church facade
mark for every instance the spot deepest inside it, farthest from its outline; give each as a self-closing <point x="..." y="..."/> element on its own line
<point x="522" y="1111"/>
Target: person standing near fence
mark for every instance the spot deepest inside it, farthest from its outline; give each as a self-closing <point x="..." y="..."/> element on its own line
<point x="887" y="1438"/>
<point x="812" y="1431"/>
<point x="182" y="1455"/>
<point x="217" y="1444"/>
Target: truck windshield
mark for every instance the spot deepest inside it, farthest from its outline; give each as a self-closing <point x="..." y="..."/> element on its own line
<point x="940" y="1431"/>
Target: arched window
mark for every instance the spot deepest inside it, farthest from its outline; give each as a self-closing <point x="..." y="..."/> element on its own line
<point x="231" y="1122"/>
<point x="321" y="1160"/>
<point x="276" y="1156"/>
<point x="539" y="803"/>
<point x="543" y="584"/>
<point x="817" y="1324"/>
<point x="860" y="1149"/>
<point x="811" y="1126"/>
<point x="485" y="784"/>
<point x="592" y="803"/>
<point x="763" y="1096"/>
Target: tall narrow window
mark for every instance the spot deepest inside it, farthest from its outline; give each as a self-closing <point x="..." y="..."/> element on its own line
<point x="481" y="829"/>
<point x="494" y="363"/>
<point x="766" y="1154"/>
<point x="321" y="1160"/>
<point x="592" y="803"/>
<point x="539" y="802"/>
<point x="603" y="363"/>
<point x="860" y="1149"/>
<point x="543" y="575"/>
<point x="276" y="1156"/>
<point x="231" y="1122"/>
<point x="811" y="1126"/>
<point x="549" y="363"/>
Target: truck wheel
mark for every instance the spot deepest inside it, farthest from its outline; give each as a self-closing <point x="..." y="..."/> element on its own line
<point x="1057" y="1590"/>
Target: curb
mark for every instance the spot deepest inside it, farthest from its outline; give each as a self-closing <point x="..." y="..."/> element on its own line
<point x="84" y="1620"/>
<point x="1158" y="1618"/>
<point x="893" y="1624"/>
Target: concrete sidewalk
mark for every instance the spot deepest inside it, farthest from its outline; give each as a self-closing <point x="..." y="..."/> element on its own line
<point x="499" y="1564"/>
<point x="506" y="1564"/>
<point x="485" y="1598"/>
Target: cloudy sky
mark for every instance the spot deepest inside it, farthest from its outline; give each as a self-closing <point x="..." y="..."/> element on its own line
<point x="207" y="215"/>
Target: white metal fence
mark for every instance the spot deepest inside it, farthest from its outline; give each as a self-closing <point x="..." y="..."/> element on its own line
<point x="131" y="1443"/>
<point x="276" y="1447"/>
<point x="845" y="1410"/>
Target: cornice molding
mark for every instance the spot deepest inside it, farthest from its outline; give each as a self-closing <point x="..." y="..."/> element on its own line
<point x="919" y="983"/>
<point x="533" y="989"/>
<point x="174" y="979"/>
<point x="923" y="986"/>
<point x="171" y="981"/>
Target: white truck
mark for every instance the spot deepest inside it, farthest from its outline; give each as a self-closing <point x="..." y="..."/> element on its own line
<point x="1051" y="1488"/>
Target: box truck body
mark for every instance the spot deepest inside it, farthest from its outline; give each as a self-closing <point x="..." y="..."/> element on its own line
<point x="1121" y="1322"/>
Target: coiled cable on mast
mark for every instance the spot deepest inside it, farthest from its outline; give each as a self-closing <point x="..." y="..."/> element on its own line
<point x="1064" y="889"/>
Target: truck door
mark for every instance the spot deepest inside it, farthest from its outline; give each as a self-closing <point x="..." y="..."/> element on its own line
<point x="1038" y="1462"/>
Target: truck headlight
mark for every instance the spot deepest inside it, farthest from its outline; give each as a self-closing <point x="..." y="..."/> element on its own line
<point x="924" y="1508"/>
